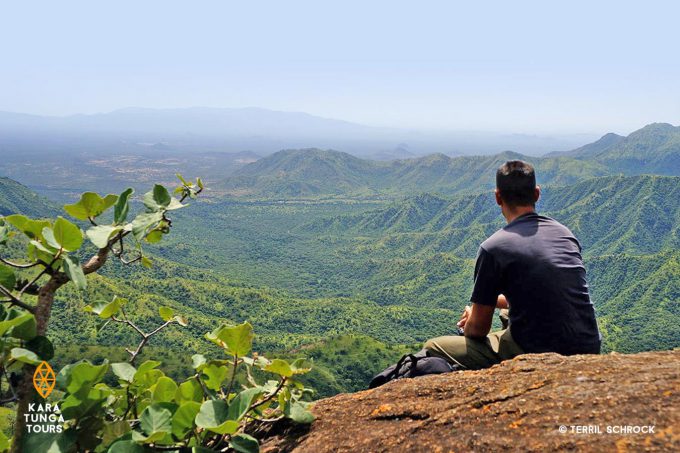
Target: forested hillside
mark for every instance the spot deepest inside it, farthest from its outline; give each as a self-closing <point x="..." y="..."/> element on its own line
<point x="353" y="261"/>
<point x="15" y="197"/>
<point x="653" y="149"/>
<point x="314" y="173"/>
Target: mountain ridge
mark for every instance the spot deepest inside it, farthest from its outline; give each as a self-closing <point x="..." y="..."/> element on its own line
<point x="270" y="176"/>
<point x="654" y="148"/>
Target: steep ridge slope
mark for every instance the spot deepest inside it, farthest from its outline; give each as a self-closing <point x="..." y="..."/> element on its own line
<point x="653" y="149"/>
<point x="314" y="172"/>
<point x="613" y="214"/>
<point x="17" y="198"/>
<point x="519" y="405"/>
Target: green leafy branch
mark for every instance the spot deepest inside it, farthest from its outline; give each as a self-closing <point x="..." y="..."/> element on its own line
<point x="114" y="311"/>
<point x="206" y="412"/>
<point x="54" y="247"/>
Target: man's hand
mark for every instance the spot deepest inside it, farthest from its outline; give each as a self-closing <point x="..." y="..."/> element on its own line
<point x="478" y="322"/>
<point x="465" y="316"/>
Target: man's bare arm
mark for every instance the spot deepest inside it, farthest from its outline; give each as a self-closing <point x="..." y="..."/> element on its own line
<point x="479" y="321"/>
<point x="501" y="303"/>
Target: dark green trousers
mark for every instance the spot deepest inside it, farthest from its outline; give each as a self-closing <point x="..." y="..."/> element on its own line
<point x="475" y="354"/>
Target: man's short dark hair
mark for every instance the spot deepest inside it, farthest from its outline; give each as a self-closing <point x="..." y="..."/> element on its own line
<point x="516" y="182"/>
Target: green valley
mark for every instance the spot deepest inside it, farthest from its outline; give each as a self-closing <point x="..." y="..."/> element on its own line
<point x="353" y="262"/>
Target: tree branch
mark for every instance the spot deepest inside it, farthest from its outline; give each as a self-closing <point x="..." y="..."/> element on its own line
<point x="19" y="266"/>
<point x="270" y="396"/>
<point x="45" y="270"/>
<point x="233" y="375"/>
<point x="15" y="301"/>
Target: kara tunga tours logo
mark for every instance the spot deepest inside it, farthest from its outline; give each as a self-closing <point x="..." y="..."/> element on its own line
<point x="44" y="417"/>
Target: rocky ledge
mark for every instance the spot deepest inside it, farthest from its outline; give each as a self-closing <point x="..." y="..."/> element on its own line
<point x="535" y="402"/>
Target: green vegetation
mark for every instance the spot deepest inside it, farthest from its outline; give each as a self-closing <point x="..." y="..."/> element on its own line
<point x="143" y="407"/>
<point x="348" y="261"/>
<point x="653" y="149"/>
<point x="313" y="173"/>
<point x="16" y="198"/>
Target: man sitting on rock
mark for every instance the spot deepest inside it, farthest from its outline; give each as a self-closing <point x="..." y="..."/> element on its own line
<point x="533" y="265"/>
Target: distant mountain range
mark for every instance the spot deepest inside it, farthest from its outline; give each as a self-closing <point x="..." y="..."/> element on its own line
<point x="322" y="173"/>
<point x="260" y="130"/>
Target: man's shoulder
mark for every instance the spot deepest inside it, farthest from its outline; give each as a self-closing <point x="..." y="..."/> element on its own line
<point x="510" y="236"/>
<point x="495" y="241"/>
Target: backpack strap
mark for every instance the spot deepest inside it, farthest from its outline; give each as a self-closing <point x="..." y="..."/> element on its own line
<point x="395" y="372"/>
<point x="414" y="362"/>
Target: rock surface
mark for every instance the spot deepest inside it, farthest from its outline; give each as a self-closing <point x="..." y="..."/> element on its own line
<point x="518" y="405"/>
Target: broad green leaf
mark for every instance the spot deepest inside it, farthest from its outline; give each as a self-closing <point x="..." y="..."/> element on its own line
<point x="124" y="371"/>
<point x="280" y="367"/>
<point x="215" y="376"/>
<point x="126" y="446"/>
<point x="106" y="310"/>
<point x="164" y="390"/>
<point x="67" y="235"/>
<point x="7" y="277"/>
<point x="39" y="251"/>
<point x="23" y="326"/>
<point x="146" y="262"/>
<point x="156" y="418"/>
<point x="25" y="356"/>
<point x="301" y="366"/>
<point x="213" y="416"/>
<point x="112" y="307"/>
<point x="243" y="443"/>
<point x="114" y="430"/>
<point x="166" y="313"/>
<point x="158" y="198"/>
<point x="90" y="205"/>
<point x="148" y="365"/>
<point x="79" y="375"/>
<point x="24" y="320"/>
<point x="31" y="228"/>
<point x="143" y="222"/>
<point x="120" y="211"/>
<point x="241" y="402"/>
<point x="74" y="271"/>
<point x="297" y="411"/>
<point x="50" y="442"/>
<point x="183" y="420"/>
<point x="86" y="401"/>
<point x="154" y="236"/>
<point x="145" y="368"/>
<point x="101" y="234"/>
<point x="174" y="204"/>
<point x="237" y="340"/>
<point x="198" y="361"/>
<point x="50" y="238"/>
<point x="189" y="390"/>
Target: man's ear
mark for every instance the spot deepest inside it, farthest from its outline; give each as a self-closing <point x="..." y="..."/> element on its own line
<point x="537" y="193"/>
<point x="499" y="200"/>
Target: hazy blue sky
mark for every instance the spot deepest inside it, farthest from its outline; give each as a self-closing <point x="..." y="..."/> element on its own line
<point x="517" y="66"/>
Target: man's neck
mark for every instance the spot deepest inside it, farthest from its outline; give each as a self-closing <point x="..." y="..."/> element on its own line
<point x="512" y="214"/>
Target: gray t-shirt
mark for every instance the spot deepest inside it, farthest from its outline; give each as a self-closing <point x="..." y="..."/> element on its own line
<point x="536" y="263"/>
